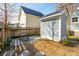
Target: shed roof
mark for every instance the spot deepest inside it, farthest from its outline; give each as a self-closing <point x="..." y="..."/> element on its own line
<point x="53" y="15"/>
<point x="30" y="11"/>
<point x="55" y="12"/>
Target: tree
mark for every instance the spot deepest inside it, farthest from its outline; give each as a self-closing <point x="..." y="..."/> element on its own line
<point x="70" y="8"/>
<point x="6" y="15"/>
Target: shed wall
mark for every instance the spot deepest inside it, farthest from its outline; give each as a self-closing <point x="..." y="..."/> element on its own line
<point x="46" y="29"/>
<point x="63" y="26"/>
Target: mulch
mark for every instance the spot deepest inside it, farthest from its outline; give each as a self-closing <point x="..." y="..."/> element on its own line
<point x="51" y="48"/>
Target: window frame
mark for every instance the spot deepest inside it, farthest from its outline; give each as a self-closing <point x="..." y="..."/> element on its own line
<point x="74" y="22"/>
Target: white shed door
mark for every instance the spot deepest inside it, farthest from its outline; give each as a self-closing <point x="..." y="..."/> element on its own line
<point x="55" y="29"/>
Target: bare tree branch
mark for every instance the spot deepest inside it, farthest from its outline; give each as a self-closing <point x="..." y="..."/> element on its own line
<point x="2" y="9"/>
<point x="6" y="11"/>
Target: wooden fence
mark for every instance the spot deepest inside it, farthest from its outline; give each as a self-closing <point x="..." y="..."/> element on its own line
<point x="27" y="31"/>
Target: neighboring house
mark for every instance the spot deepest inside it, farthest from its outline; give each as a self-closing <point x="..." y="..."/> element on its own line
<point x="72" y="26"/>
<point x="28" y="22"/>
<point x="75" y="24"/>
<point x="29" y="18"/>
<point x="53" y="26"/>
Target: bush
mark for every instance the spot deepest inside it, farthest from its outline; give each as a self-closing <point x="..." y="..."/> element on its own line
<point x="13" y="37"/>
<point x="66" y="42"/>
<point x="7" y="43"/>
<point x="78" y="40"/>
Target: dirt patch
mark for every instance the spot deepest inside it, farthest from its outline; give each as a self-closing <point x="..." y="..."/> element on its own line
<point x="51" y="48"/>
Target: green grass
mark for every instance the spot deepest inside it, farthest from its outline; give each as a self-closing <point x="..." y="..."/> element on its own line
<point x="71" y="36"/>
<point x="66" y="42"/>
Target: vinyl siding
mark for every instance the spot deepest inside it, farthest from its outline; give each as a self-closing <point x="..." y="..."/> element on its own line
<point x="22" y="19"/>
<point x="63" y="26"/>
<point x="46" y="29"/>
<point x="32" y="21"/>
<point x="28" y="20"/>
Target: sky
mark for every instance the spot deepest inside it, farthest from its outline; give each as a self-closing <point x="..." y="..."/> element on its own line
<point x="44" y="8"/>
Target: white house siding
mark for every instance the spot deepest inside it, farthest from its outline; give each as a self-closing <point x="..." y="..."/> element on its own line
<point x="22" y="19"/>
<point x="32" y="21"/>
<point x="29" y="20"/>
<point x="76" y="34"/>
<point x="46" y="29"/>
<point x="75" y="27"/>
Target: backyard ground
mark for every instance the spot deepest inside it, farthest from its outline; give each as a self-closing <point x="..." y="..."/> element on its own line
<point x="51" y="48"/>
<point x="48" y="47"/>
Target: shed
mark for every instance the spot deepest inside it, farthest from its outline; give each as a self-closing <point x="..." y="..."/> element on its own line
<point x="53" y="26"/>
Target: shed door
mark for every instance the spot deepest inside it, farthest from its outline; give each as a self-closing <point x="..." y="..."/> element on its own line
<point x="55" y="29"/>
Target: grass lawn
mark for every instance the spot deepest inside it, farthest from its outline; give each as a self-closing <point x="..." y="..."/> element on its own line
<point x="71" y="37"/>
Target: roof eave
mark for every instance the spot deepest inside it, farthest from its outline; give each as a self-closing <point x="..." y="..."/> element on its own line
<point x="54" y="15"/>
<point x="32" y="11"/>
<point x="58" y="14"/>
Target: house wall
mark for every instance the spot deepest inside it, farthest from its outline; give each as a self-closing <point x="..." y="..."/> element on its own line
<point x="22" y="19"/>
<point x="71" y="8"/>
<point x="77" y="34"/>
<point x="29" y="20"/>
<point x="74" y="25"/>
<point x="32" y="21"/>
<point x="75" y="28"/>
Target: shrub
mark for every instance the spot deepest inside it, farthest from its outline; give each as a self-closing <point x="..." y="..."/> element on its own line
<point x="78" y="40"/>
<point x="66" y="42"/>
<point x="7" y="43"/>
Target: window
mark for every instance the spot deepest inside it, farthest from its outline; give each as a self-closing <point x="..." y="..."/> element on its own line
<point x="75" y="19"/>
<point x="75" y="23"/>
